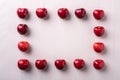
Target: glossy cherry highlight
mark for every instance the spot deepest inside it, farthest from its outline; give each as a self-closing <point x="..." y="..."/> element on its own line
<point x="22" y="12"/>
<point x="98" y="47"/>
<point x="23" y="64"/>
<point x="60" y="64"/>
<point x="98" y="14"/>
<point x="22" y="29"/>
<point x="63" y="13"/>
<point x="98" y="64"/>
<point x="79" y="63"/>
<point x="23" y="46"/>
<point x="41" y="64"/>
<point x="99" y="30"/>
<point x="41" y="12"/>
<point x="80" y="13"/>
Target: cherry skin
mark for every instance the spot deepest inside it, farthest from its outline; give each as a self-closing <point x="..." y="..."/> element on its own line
<point x="41" y="12"/>
<point x="98" y="47"/>
<point x="80" y="13"/>
<point x="60" y="64"/>
<point x="41" y="64"/>
<point x="23" y="64"/>
<point x="63" y="13"/>
<point x="79" y="63"/>
<point x="98" y="14"/>
<point x="22" y="12"/>
<point x="98" y="64"/>
<point x="22" y="29"/>
<point x="23" y="46"/>
<point x="99" y="30"/>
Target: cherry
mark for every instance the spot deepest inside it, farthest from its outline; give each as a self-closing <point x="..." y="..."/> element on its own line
<point x="99" y="30"/>
<point x="80" y="13"/>
<point x="63" y="13"/>
<point x="23" y="46"/>
<point x="22" y="12"/>
<point x="41" y="64"/>
<point x="98" y="64"/>
<point x="98" y="14"/>
<point x="23" y="64"/>
<point x="60" y="64"/>
<point x="22" y="29"/>
<point x="79" y="63"/>
<point x="41" y="12"/>
<point x="98" y="46"/>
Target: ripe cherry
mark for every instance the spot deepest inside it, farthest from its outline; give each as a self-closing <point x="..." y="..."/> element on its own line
<point x="98" y="14"/>
<point x="41" y="64"/>
<point x="60" y="64"/>
<point x="23" y="64"/>
<point x="80" y="13"/>
<point x="22" y="12"/>
<point x="63" y="13"/>
<point x="79" y="63"/>
<point x="98" y="64"/>
<point x="41" y="12"/>
<point x="98" y="46"/>
<point x="23" y="46"/>
<point x="22" y="29"/>
<point x="99" y="30"/>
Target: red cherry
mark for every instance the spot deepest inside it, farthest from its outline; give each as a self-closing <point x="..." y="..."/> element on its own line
<point x="99" y="30"/>
<point x="98" y="64"/>
<point x="98" y="46"/>
<point x="23" y="46"/>
<point x="63" y="13"/>
<point x="41" y="64"/>
<point x="23" y="64"/>
<point x="22" y="12"/>
<point x="41" y="12"/>
<point x="60" y="64"/>
<point x="98" y="14"/>
<point x="79" y="63"/>
<point x="80" y="13"/>
<point x="22" y="29"/>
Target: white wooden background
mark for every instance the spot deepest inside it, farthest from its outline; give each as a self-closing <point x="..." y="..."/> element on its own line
<point x="54" y="38"/>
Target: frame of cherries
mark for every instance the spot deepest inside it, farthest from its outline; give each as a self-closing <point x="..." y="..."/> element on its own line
<point x="63" y="13"/>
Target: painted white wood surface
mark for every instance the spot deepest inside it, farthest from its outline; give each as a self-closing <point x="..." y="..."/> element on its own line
<point x="54" y="38"/>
